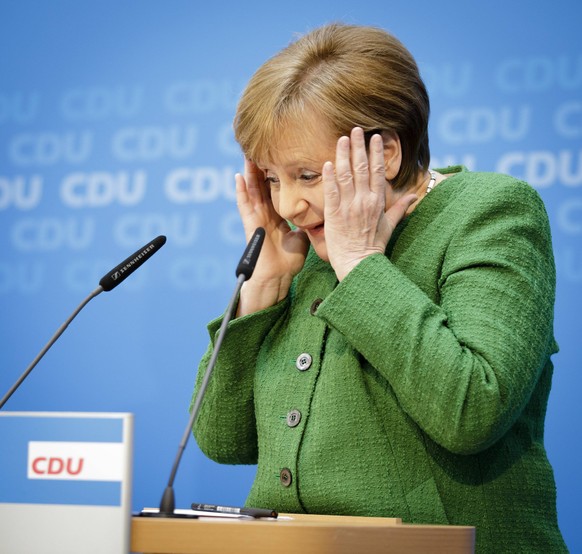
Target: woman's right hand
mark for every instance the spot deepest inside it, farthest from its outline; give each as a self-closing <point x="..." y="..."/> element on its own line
<point x="284" y="250"/>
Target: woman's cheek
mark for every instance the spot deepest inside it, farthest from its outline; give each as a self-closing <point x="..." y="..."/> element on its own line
<point x="275" y="200"/>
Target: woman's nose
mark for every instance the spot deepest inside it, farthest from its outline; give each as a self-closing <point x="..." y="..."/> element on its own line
<point x="291" y="202"/>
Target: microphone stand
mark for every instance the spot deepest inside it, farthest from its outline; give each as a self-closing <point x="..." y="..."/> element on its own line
<point x="167" y="503"/>
<point x="244" y="271"/>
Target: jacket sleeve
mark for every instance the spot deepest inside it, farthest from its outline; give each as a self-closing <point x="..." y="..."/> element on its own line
<point x="463" y="364"/>
<point x="225" y="429"/>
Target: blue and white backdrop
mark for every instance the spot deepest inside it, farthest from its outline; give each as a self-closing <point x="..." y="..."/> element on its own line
<point x="115" y="126"/>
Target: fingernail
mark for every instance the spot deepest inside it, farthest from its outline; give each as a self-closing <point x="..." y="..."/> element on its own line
<point x="377" y="143"/>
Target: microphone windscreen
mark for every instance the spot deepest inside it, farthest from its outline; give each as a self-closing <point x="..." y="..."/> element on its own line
<point x="121" y="272"/>
<point x="247" y="263"/>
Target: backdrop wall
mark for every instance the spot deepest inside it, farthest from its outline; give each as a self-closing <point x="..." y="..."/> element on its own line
<point x="115" y="126"/>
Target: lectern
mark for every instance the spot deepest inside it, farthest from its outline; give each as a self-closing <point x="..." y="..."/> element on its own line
<point x="297" y="534"/>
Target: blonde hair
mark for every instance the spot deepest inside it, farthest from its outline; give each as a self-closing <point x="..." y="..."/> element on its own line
<point x="348" y="76"/>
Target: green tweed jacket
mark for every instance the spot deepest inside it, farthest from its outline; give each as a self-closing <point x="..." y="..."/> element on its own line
<point x="415" y="388"/>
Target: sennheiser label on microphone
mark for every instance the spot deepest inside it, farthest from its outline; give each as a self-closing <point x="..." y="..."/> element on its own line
<point x="123" y="270"/>
<point x="119" y="273"/>
<point x="249" y="257"/>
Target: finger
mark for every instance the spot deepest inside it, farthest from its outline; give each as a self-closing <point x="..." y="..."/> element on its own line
<point x="242" y="196"/>
<point x="377" y="169"/>
<point x="254" y="181"/>
<point x="359" y="159"/>
<point x="398" y="210"/>
<point x="330" y="188"/>
<point x="343" y="168"/>
<point x="243" y="202"/>
<point x="250" y="188"/>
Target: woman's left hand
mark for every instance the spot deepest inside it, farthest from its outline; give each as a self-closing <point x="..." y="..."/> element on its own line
<point x="358" y="223"/>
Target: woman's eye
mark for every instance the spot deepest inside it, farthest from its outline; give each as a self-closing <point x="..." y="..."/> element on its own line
<point x="309" y="176"/>
<point x="270" y="180"/>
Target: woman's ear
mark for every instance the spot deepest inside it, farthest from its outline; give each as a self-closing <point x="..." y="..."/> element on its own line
<point x="392" y="155"/>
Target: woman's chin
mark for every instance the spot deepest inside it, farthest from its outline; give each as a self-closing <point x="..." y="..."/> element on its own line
<point x="320" y="249"/>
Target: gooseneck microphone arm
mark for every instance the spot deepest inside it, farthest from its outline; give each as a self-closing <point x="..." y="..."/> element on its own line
<point x="244" y="271"/>
<point x="168" y="502"/>
<point x="54" y="338"/>
<point x="108" y="282"/>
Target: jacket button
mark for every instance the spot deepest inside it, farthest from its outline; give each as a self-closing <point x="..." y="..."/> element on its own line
<point x="293" y="418"/>
<point x="314" y="305"/>
<point x="303" y="362"/>
<point x="286" y="477"/>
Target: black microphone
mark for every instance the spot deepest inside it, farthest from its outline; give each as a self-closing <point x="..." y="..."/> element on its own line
<point x="107" y="283"/>
<point x="247" y="263"/>
<point x="244" y="272"/>
<point x="121" y="272"/>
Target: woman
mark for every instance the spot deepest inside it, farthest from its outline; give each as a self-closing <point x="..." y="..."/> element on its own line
<point x="391" y="353"/>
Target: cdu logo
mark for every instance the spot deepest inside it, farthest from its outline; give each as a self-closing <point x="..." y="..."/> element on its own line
<point x="82" y="461"/>
<point x="100" y="103"/>
<point x="42" y="465"/>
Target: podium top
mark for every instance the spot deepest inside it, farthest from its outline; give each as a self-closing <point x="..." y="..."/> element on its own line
<point x="297" y="533"/>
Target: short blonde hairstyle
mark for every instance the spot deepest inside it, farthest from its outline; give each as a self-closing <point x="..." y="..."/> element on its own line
<point x="347" y="76"/>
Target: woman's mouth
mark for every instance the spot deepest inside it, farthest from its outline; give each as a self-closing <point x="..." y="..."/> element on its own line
<point x="315" y="230"/>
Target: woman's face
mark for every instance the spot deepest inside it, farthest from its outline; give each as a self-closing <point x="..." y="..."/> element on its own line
<point x="294" y="179"/>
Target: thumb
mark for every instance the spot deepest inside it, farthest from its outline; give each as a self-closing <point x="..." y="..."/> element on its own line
<point x="398" y="210"/>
